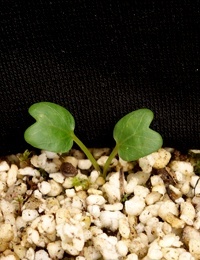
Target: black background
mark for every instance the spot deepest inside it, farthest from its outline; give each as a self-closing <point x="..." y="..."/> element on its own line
<point x="101" y="60"/>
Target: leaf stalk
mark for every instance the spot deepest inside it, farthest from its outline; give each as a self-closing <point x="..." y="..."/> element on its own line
<point x="87" y="152"/>
<point x="109" y="160"/>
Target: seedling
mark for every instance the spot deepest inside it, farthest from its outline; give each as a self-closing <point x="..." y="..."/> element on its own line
<point x="54" y="131"/>
<point x="84" y="183"/>
<point x="25" y="156"/>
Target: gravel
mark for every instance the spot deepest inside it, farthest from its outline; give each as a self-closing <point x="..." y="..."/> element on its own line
<point x="56" y="206"/>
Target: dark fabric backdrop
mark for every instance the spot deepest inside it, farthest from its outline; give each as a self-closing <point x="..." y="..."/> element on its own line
<point x="101" y="60"/>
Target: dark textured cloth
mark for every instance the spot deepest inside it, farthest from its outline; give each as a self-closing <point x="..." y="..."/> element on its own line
<point x="101" y="60"/>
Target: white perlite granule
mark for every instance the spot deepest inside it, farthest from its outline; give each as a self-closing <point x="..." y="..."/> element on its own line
<point x="152" y="213"/>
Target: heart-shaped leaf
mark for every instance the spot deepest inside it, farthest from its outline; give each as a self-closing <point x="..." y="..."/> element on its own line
<point x="53" y="129"/>
<point x="134" y="138"/>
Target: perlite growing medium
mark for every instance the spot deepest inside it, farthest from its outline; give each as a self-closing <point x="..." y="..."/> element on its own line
<point x="57" y="207"/>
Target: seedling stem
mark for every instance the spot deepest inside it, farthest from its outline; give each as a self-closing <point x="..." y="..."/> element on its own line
<point x="109" y="160"/>
<point x="87" y="153"/>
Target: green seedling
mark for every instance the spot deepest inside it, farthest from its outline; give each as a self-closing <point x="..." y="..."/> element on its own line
<point x="84" y="183"/>
<point x="25" y="156"/>
<point x="54" y="131"/>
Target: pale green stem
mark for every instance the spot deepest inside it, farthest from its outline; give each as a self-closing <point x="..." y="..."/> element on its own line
<point x="109" y="160"/>
<point x="87" y="152"/>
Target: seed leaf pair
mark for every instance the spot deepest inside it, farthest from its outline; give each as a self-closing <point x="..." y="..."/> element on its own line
<point x="54" y="131"/>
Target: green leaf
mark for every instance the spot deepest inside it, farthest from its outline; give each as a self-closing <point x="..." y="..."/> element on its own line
<point x="134" y="139"/>
<point x="53" y="129"/>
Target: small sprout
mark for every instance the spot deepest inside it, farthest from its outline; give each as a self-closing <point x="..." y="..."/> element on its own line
<point x="24" y="158"/>
<point x="125" y="197"/>
<point x="54" y="131"/>
<point x="84" y="183"/>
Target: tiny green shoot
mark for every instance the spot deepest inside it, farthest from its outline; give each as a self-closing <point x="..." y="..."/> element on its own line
<point x="54" y="131"/>
<point x="25" y="156"/>
<point x="84" y="183"/>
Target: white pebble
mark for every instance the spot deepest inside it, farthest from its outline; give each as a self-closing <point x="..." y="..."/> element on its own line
<point x="94" y="210"/>
<point x="154" y="251"/>
<point x="132" y="257"/>
<point x="29" y="171"/>
<point x="156" y="180"/>
<point x="152" y="197"/>
<point x="187" y="212"/>
<point x="7" y="207"/>
<point x="161" y="158"/>
<point x="4" y="166"/>
<point x="50" y="155"/>
<point x="140" y="176"/>
<point x="110" y="219"/>
<point x="129" y="187"/>
<point x="46" y="224"/>
<point x="12" y="175"/>
<point x="148" y="213"/>
<point x="185" y="256"/>
<point x="37" y="194"/>
<point x="146" y="163"/>
<point x="112" y="188"/>
<point x="44" y="187"/>
<point x="194" y="247"/>
<point x="160" y="189"/>
<point x="141" y="191"/>
<point x="95" y="200"/>
<point x="170" y="240"/>
<point x="170" y="253"/>
<point x="102" y="160"/>
<point x="70" y="193"/>
<point x="78" y="203"/>
<point x="113" y="207"/>
<point x="39" y="161"/>
<point x="56" y="188"/>
<point x="34" y="237"/>
<point x="30" y="254"/>
<point x="84" y="164"/>
<point x="55" y="250"/>
<point x="93" y="176"/>
<point x="42" y="255"/>
<point x="134" y="206"/>
<point x="57" y="177"/>
<point x="29" y="214"/>
<point x="125" y="166"/>
<point x="51" y="167"/>
<point x="94" y="191"/>
<point x="184" y="167"/>
<point x="122" y="248"/>
<point x="185" y="187"/>
<point x="124" y="228"/>
<point x="6" y="233"/>
<point x="167" y="207"/>
<point x="107" y="246"/>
